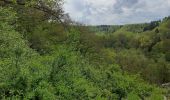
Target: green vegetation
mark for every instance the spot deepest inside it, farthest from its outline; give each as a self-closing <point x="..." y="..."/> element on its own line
<point x="42" y="57"/>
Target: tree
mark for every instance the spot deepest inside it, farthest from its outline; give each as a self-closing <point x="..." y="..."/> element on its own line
<point x="52" y="8"/>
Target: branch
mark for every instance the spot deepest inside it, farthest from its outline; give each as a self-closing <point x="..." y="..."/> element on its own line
<point x="42" y="7"/>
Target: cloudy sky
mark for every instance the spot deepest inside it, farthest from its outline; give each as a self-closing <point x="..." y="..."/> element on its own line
<point x="109" y="12"/>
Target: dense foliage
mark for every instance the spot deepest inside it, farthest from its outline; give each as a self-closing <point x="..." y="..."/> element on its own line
<point x="40" y="60"/>
<point x="145" y="52"/>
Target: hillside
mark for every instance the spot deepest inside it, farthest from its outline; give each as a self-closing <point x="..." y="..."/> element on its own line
<point x="148" y="41"/>
<point x="43" y="57"/>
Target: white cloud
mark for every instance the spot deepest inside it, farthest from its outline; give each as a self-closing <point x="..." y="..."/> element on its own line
<point x="117" y="11"/>
<point x="100" y="4"/>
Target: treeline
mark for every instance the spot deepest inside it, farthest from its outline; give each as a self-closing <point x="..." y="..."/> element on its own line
<point x="43" y="56"/>
<point x="135" y="28"/>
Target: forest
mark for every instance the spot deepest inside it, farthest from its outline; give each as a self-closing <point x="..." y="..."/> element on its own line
<point x="44" y="55"/>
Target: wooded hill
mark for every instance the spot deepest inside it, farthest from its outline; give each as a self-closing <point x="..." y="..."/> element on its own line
<point x="43" y="56"/>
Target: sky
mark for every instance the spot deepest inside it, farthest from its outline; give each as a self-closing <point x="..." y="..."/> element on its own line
<point x="116" y="12"/>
